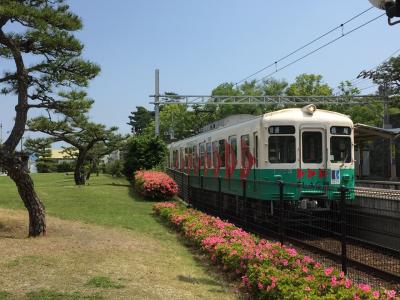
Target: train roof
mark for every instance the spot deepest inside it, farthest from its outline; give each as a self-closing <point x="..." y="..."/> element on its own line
<point x="301" y="115"/>
<point x="294" y="115"/>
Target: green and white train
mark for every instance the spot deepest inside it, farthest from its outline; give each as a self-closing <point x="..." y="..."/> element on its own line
<point x="308" y="149"/>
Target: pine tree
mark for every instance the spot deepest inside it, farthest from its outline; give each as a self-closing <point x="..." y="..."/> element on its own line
<point x="42" y="29"/>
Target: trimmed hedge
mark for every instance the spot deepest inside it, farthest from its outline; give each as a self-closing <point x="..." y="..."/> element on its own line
<point x="155" y="185"/>
<point x="267" y="269"/>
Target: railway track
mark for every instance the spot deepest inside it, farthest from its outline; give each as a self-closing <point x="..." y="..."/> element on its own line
<point x="378" y="193"/>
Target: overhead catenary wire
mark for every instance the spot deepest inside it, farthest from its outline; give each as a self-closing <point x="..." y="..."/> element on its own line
<point x="369" y="87"/>
<point x="321" y="47"/>
<point x="360" y="80"/>
<point x="275" y="63"/>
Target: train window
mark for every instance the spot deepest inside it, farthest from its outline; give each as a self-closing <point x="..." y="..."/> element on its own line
<point x="256" y="148"/>
<point x="195" y="157"/>
<point x="245" y="147"/>
<point x="202" y="151"/>
<point x="282" y="149"/>
<point x="209" y="155"/>
<point x="222" y="152"/>
<point x="186" y="157"/>
<point x="281" y="130"/>
<point x="233" y="142"/>
<point x="181" y="158"/>
<point x="340" y="130"/>
<point x="340" y="149"/>
<point x="215" y="153"/>
<point x="312" y="147"/>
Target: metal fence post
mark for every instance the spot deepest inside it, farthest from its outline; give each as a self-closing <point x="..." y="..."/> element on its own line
<point x="281" y="208"/>
<point x="343" y="224"/>
<point x="245" y="201"/>
<point x="220" y="196"/>
<point x="189" y="200"/>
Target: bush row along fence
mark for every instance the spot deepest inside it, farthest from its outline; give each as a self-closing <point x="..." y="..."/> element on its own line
<point x="358" y="237"/>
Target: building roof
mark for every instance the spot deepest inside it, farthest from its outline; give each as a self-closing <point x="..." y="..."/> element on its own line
<point x="367" y="132"/>
<point x="58" y="154"/>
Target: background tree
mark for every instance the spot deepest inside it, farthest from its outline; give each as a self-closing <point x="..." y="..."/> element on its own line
<point x="73" y="127"/>
<point x="143" y="153"/>
<point x="309" y="85"/>
<point x="41" y="149"/>
<point x="44" y="35"/>
<point x="387" y="74"/>
<point x="100" y="150"/>
<point x="140" y="119"/>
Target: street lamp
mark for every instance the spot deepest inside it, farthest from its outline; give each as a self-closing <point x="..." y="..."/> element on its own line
<point x="392" y="8"/>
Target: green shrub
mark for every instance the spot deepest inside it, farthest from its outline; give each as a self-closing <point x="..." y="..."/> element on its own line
<point x="114" y="168"/>
<point x="143" y="153"/>
<point x="65" y="166"/>
<point x="45" y="166"/>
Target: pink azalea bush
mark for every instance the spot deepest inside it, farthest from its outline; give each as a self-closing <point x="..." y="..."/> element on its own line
<point x="155" y="185"/>
<point x="267" y="269"/>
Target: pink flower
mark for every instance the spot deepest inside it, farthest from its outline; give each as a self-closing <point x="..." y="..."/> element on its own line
<point x="328" y="271"/>
<point x="333" y="281"/>
<point x="347" y="283"/>
<point x="310" y="278"/>
<point x="364" y="287"/>
<point x="356" y="297"/>
<point x="308" y="259"/>
<point x="307" y="289"/>
<point x="291" y="251"/>
<point x="375" y="294"/>
<point x="390" y="294"/>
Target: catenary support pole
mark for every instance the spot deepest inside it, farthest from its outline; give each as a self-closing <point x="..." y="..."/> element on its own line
<point x="157" y="102"/>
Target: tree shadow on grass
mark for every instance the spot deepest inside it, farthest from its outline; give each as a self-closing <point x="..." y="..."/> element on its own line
<point x="221" y="280"/>
<point x="118" y="184"/>
<point x="138" y="198"/>
<point x="194" y="280"/>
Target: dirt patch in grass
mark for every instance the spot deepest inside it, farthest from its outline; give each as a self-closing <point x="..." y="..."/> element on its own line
<point x="81" y="261"/>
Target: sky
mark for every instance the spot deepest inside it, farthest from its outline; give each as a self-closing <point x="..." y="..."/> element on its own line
<point x="198" y="45"/>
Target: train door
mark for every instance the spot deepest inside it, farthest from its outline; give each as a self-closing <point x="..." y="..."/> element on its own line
<point x="255" y="154"/>
<point x="313" y="158"/>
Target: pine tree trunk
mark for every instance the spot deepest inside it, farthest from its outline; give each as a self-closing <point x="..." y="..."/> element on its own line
<point x="79" y="174"/>
<point x="36" y="210"/>
<point x="88" y="175"/>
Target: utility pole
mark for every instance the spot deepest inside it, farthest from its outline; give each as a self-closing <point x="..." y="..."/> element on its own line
<point x="1" y="133"/>
<point x="157" y="102"/>
<point x="384" y="91"/>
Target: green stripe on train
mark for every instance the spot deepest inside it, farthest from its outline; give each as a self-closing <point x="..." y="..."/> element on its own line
<point x="261" y="183"/>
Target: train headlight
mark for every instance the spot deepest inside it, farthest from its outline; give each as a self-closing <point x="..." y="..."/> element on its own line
<point x="391" y="7"/>
<point x="309" y="109"/>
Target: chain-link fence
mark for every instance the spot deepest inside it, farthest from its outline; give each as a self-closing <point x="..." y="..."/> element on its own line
<point x="357" y="231"/>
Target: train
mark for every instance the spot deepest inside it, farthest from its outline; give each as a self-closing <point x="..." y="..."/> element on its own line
<point x="309" y="150"/>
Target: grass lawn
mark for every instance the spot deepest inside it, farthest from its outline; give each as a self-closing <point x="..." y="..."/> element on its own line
<point x="102" y="243"/>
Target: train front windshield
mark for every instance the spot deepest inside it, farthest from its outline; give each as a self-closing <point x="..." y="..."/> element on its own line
<point x="340" y="149"/>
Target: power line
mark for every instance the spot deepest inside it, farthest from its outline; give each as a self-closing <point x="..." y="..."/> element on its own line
<point x="357" y="81"/>
<point x="305" y="46"/>
<point x="320" y="48"/>
<point x="385" y="60"/>
<point x="368" y="87"/>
